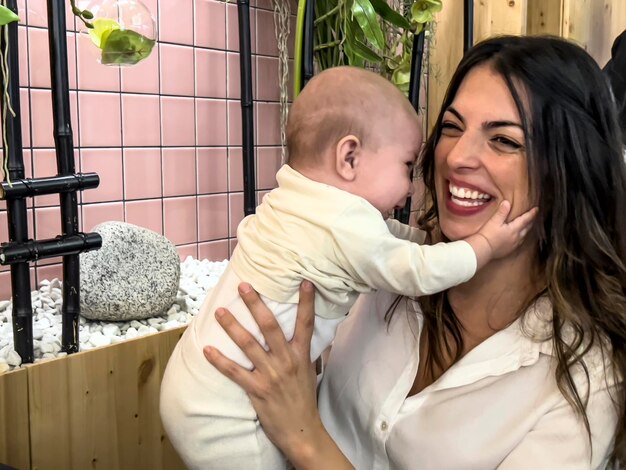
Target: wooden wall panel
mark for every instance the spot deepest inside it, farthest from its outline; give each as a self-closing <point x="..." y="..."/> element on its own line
<point x="495" y="17"/>
<point x="100" y="409"/>
<point x="14" y="432"/>
<point x="545" y="17"/>
<point x="594" y="24"/>
<point x="446" y="50"/>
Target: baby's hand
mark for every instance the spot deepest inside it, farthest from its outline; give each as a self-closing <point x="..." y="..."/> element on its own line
<point x="497" y="238"/>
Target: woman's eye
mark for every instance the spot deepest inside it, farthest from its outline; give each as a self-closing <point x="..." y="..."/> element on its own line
<point x="450" y="128"/>
<point x="505" y="144"/>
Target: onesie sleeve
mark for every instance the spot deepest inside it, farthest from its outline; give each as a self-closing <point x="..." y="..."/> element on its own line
<point x="405" y="232"/>
<point x="369" y="252"/>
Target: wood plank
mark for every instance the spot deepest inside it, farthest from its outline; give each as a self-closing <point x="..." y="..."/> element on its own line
<point x="545" y="17"/>
<point x="14" y="432"/>
<point x="100" y="409"/>
<point x="446" y="50"/>
<point x="497" y="17"/>
<point x="594" y="24"/>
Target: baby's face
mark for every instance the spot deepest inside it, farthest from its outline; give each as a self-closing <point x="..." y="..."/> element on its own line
<point x="385" y="172"/>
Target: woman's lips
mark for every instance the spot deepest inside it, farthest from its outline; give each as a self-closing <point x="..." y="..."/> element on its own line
<point x="462" y="199"/>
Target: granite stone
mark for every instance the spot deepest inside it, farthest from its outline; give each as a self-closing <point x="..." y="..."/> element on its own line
<point x="135" y="275"/>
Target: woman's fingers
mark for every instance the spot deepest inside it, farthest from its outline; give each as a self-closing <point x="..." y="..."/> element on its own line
<point x="306" y="318"/>
<point x="270" y="329"/>
<point x="241" y="376"/>
<point x="242" y="338"/>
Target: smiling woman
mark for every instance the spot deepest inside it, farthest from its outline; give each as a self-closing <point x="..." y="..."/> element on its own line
<point x="522" y="366"/>
<point x="481" y="151"/>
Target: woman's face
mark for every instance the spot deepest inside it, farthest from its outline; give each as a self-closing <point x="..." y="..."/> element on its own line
<point x="480" y="159"/>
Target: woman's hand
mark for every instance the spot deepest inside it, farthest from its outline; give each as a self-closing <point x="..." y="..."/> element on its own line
<point x="282" y="384"/>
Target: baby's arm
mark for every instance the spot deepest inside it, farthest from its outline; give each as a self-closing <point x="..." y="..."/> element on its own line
<point x="405" y="231"/>
<point x="497" y="238"/>
<point x="372" y="256"/>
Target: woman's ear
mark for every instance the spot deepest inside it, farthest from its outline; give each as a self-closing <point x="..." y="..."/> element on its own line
<point x="347" y="153"/>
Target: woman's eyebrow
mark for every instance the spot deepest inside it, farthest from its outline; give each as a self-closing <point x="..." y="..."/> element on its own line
<point x="452" y="110"/>
<point x="494" y="124"/>
<point x="486" y="124"/>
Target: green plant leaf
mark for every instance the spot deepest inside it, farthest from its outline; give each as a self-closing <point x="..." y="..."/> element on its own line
<point x="353" y="59"/>
<point x="365" y="16"/>
<point x="422" y="11"/>
<point x="364" y="51"/>
<point x="102" y="28"/>
<point x="402" y="76"/>
<point x="389" y="14"/>
<point x="126" y="47"/>
<point x="7" y="16"/>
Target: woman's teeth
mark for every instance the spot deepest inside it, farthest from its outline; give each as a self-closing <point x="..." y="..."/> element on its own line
<point x="468" y="197"/>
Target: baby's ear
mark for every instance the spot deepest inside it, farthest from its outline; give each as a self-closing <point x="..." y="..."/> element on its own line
<point x="347" y="154"/>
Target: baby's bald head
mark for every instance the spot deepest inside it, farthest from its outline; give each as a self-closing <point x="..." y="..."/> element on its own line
<point x="337" y="102"/>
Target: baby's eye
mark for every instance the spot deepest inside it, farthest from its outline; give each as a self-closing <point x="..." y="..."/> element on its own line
<point x="505" y="144"/>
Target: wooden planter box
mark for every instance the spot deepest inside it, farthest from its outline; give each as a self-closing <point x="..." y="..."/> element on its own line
<point x="94" y="409"/>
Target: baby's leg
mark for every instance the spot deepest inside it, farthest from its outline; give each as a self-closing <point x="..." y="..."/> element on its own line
<point x="209" y="419"/>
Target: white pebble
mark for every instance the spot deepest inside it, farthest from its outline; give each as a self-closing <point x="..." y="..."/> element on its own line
<point x="13" y="358"/>
<point x="143" y="330"/>
<point x="111" y="330"/>
<point x="131" y="333"/>
<point x="197" y="278"/>
<point x="98" y="339"/>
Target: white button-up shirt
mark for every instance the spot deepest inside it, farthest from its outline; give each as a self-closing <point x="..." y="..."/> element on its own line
<point x="498" y="407"/>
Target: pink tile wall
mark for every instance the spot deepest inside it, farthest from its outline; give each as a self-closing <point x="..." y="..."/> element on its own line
<point x="164" y="135"/>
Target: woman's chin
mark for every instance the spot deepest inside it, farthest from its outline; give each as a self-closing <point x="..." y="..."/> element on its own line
<point x="454" y="231"/>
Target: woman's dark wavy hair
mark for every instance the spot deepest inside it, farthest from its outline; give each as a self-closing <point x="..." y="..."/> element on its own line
<point x="577" y="176"/>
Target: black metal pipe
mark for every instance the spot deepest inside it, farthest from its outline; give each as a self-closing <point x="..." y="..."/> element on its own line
<point x="468" y="24"/>
<point x="308" y="45"/>
<point x="22" y="317"/>
<point x="65" y="165"/>
<point x="247" y="110"/>
<point x="49" y="185"/>
<point x="33" y="250"/>
<point x="417" y="57"/>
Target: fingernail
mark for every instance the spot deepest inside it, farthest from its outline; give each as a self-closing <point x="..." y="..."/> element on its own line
<point x="219" y="313"/>
<point x="307" y="286"/>
<point x="244" y="287"/>
<point x="208" y="351"/>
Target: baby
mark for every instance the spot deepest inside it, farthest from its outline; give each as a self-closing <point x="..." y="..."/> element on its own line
<point x="352" y="139"/>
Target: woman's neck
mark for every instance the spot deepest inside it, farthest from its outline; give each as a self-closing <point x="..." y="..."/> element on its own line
<point x="496" y="295"/>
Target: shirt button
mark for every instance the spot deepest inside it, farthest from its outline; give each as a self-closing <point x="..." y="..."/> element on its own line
<point x="384" y="426"/>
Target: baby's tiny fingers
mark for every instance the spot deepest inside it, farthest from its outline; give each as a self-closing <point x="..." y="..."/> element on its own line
<point x="523" y="221"/>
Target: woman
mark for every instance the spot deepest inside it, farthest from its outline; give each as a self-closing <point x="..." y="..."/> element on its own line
<point x="521" y="366"/>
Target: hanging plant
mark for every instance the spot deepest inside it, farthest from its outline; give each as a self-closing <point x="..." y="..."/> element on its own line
<point x="123" y="30"/>
<point x="367" y="33"/>
<point x="6" y="16"/>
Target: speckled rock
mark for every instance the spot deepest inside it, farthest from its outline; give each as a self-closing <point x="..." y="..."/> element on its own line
<point x="134" y="275"/>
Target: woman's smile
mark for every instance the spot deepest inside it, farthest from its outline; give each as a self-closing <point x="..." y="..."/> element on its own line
<point x="466" y="199"/>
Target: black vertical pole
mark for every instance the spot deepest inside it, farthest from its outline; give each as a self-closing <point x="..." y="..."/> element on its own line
<point x="417" y="57"/>
<point x="16" y="208"/>
<point x="65" y="165"/>
<point x="247" y="120"/>
<point x="468" y="24"/>
<point x="308" y="43"/>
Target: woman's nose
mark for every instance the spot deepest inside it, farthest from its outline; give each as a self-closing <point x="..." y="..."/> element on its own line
<point x="465" y="151"/>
